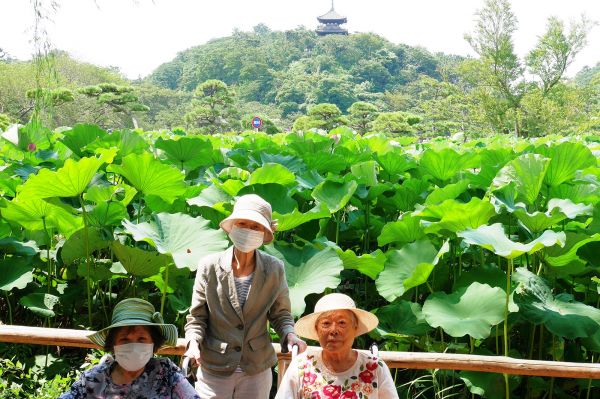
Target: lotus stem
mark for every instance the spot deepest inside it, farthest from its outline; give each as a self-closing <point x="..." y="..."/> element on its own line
<point x="164" y="291"/>
<point x="337" y="227"/>
<point x="49" y="261"/>
<point x="508" y="271"/>
<point x="86" y="244"/>
<point x="10" y="313"/>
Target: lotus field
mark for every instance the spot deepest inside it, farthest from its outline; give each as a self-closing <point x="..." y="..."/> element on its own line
<point x="489" y="246"/>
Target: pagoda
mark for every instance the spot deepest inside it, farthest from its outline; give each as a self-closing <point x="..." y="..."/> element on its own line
<point x="330" y="23"/>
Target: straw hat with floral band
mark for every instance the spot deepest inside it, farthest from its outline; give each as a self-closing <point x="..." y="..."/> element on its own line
<point x="254" y="208"/>
<point x="136" y="312"/>
<point x="306" y="326"/>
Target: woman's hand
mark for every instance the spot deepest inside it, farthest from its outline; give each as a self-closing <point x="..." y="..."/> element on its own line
<point x="292" y="339"/>
<point x="193" y="352"/>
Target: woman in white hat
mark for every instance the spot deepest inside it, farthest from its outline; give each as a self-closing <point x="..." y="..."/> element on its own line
<point x="236" y="293"/>
<point x="337" y="370"/>
<point x="135" y="334"/>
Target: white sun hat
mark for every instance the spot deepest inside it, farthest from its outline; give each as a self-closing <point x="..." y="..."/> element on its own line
<point x="254" y="208"/>
<point x="306" y="326"/>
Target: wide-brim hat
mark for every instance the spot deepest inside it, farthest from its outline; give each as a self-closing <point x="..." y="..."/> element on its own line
<point x="136" y="312"/>
<point x="306" y="326"/>
<point x="251" y="207"/>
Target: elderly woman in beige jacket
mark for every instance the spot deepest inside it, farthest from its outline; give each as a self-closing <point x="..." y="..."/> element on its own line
<point x="236" y="292"/>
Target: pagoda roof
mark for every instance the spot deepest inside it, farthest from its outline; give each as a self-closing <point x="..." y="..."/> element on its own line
<point x="332" y="15"/>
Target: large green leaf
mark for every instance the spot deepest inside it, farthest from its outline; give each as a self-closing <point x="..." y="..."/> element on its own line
<point x="75" y="247"/>
<point x="77" y="138"/>
<point x="123" y="193"/>
<point x="565" y="160"/>
<point x="150" y="176"/>
<point x="561" y="315"/>
<point x="275" y="194"/>
<point x="187" y="153"/>
<point x="449" y="191"/>
<point x="69" y="181"/>
<point x="404" y="197"/>
<point x="494" y="239"/>
<point x="407" y="268"/>
<point x="39" y="214"/>
<point x="272" y="173"/>
<point x="138" y="262"/>
<point x="401" y="318"/>
<point x="444" y="164"/>
<point x="185" y="238"/>
<point x="334" y="194"/>
<point x="368" y="264"/>
<point x="40" y="303"/>
<point x="568" y="253"/>
<point x="294" y="219"/>
<point x="395" y="163"/>
<point x="455" y="216"/>
<point x="15" y="273"/>
<point x="558" y="209"/>
<point x="365" y="173"/>
<point x="12" y="246"/>
<point x="473" y="310"/>
<point x="526" y="173"/>
<point x="125" y="141"/>
<point x="407" y="229"/>
<point x="486" y="385"/>
<point x="308" y="271"/>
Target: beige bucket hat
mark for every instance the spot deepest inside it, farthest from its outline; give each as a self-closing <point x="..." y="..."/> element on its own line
<point x="305" y="326"/>
<point x="252" y="207"/>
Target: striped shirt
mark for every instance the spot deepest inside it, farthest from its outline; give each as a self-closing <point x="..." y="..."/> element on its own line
<point x="242" y="286"/>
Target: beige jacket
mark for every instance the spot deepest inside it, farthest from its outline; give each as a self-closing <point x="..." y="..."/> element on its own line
<point x="227" y="334"/>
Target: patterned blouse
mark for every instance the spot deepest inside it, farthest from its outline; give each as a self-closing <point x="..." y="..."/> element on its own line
<point x="308" y="378"/>
<point x="161" y="379"/>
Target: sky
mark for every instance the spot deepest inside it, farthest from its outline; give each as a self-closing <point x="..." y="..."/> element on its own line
<point x="139" y="35"/>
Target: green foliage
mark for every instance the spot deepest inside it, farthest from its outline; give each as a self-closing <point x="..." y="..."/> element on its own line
<point x="399" y="123"/>
<point x="213" y="107"/>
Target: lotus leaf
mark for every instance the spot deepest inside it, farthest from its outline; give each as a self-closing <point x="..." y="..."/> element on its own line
<point x="275" y="194"/>
<point x="444" y="164"/>
<point x="210" y="196"/>
<point x="334" y="194"/>
<point x="449" y="191"/>
<point x="15" y="273"/>
<point x="69" y="181"/>
<point x="12" y="246"/>
<point x="494" y="239"/>
<point x="486" y="385"/>
<point x="291" y="162"/>
<point x="473" y="310"/>
<point x="401" y="318"/>
<point x="150" y="176"/>
<point x="565" y="160"/>
<point x="123" y="193"/>
<point x="527" y="174"/>
<point x="75" y="247"/>
<point x="40" y="303"/>
<point x="456" y="216"/>
<point x="308" y="271"/>
<point x="175" y="275"/>
<point x="365" y="173"/>
<point x="185" y="238"/>
<point x="568" y="253"/>
<point x="39" y="214"/>
<point x="107" y="214"/>
<point x="77" y="138"/>
<point x="138" y="262"/>
<point x="125" y="141"/>
<point x="296" y="218"/>
<point x="368" y="264"/>
<point x="407" y="229"/>
<point x="187" y="153"/>
<point x="407" y="268"/>
<point x="558" y="209"/>
<point x="395" y="163"/>
<point x="561" y="315"/>
<point x="272" y="173"/>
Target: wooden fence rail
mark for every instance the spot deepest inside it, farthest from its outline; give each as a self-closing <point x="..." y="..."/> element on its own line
<point x="410" y="360"/>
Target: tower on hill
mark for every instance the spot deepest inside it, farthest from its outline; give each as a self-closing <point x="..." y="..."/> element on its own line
<point x="330" y="23"/>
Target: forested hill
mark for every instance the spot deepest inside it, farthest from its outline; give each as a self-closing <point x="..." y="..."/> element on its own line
<point x="296" y="68"/>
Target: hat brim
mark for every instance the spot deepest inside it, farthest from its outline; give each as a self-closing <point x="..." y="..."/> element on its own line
<point x="305" y="326"/>
<point x="247" y="214"/>
<point x="168" y="331"/>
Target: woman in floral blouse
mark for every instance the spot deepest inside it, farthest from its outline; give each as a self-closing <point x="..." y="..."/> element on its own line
<point x="336" y="371"/>
<point x="136" y="333"/>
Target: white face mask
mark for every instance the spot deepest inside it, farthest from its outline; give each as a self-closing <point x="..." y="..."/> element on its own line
<point x="246" y="240"/>
<point x="134" y="356"/>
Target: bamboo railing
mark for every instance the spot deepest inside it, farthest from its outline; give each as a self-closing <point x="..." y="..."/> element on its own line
<point x="409" y="360"/>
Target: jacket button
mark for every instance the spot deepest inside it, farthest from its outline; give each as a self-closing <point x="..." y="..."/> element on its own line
<point x="238" y="349"/>
<point x="240" y="327"/>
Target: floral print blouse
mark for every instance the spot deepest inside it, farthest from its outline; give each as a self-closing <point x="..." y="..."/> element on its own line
<point x="308" y="378"/>
<point x="161" y="379"/>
